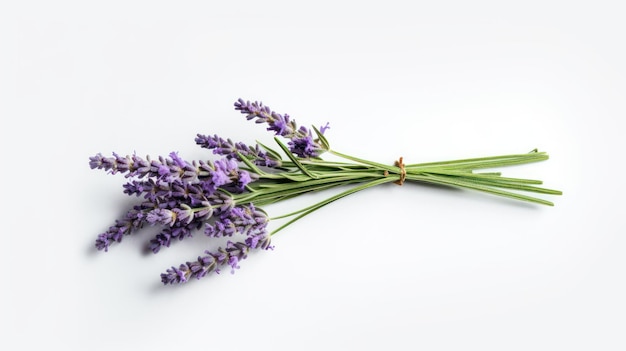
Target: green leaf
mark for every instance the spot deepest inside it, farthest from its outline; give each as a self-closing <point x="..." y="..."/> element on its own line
<point x="322" y="139"/>
<point x="273" y="153"/>
<point x="250" y="165"/>
<point x="294" y="159"/>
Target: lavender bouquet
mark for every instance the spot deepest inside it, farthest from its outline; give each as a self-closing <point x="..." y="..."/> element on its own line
<point x="226" y="197"/>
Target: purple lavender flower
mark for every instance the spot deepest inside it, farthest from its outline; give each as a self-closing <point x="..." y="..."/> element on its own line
<point x="261" y="240"/>
<point x="324" y="128"/>
<point x="155" y="191"/>
<point x="188" y="219"/>
<point x="177" y="160"/>
<point x="301" y="144"/>
<point x="180" y="195"/>
<point x="173" y="174"/>
<point x="167" y="169"/>
<point x="161" y="216"/>
<point x="245" y="219"/>
<point x="304" y="146"/>
<point x="281" y="125"/>
<point x="165" y="237"/>
<point x="184" y="219"/>
<point x="133" y="220"/>
<point x="184" y="196"/>
<point x="175" y="275"/>
<point x="222" y="202"/>
<point x="220" y="178"/>
<point x="221" y="228"/>
<point x="188" y="193"/>
<point x="183" y="213"/>
<point x="225" y="169"/>
<point x="243" y="180"/>
<point x="231" y="255"/>
<point x="203" y="213"/>
<point x="226" y="147"/>
<point x="113" y="164"/>
<point x="137" y="187"/>
<point x="228" y="176"/>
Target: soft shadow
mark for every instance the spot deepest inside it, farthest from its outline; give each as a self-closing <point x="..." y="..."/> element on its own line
<point x="91" y="250"/>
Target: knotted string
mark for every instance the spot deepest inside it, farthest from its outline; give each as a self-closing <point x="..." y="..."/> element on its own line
<point x="400" y="165"/>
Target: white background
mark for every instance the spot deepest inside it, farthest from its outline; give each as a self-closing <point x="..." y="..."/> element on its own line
<point x="395" y="267"/>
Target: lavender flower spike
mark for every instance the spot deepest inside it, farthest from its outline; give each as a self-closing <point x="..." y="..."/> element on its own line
<point x="133" y="220"/>
<point x="169" y="169"/>
<point x="231" y="255"/>
<point x="304" y="145"/>
<point x="244" y="219"/>
<point x="301" y="139"/>
<point x="228" y="148"/>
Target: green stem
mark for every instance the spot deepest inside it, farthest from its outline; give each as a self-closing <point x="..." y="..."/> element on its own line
<point x="464" y="184"/>
<point x="299" y="176"/>
<point x="366" y="162"/>
<point x="307" y="210"/>
<point x="483" y="162"/>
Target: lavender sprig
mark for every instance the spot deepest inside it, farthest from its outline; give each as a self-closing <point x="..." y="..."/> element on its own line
<point x="301" y="140"/>
<point x="231" y="255"/>
<point x="224" y="197"/>
<point x="182" y="203"/>
<point x="231" y="150"/>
